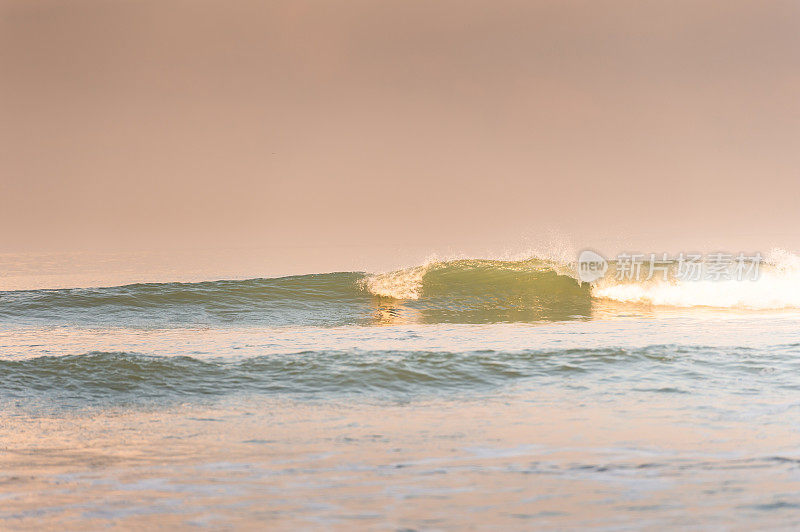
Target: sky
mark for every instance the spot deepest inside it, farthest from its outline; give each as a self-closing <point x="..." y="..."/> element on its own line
<point x="375" y="128"/>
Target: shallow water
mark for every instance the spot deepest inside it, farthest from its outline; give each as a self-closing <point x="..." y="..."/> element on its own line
<point x="492" y="397"/>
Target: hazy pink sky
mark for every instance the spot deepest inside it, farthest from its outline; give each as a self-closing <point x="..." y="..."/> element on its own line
<point x="399" y="123"/>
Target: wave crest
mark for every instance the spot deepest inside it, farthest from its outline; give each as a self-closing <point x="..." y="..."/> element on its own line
<point x="451" y="291"/>
<point x="399" y="284"/>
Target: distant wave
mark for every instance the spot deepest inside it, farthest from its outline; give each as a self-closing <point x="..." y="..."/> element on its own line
<point x="469" y="291"/>
<point x="455" y="291"/>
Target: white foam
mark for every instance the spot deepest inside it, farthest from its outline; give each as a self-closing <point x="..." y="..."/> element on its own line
<point x="777" y="287"/>
<point x="399" y="284"/>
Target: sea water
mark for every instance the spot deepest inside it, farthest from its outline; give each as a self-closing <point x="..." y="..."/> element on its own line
<point x="456" y="394"/>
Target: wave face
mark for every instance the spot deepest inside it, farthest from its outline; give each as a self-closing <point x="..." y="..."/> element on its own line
<point x="478" y="291"/>
<point x="469" y="291"/>
<point x="456" y="291"/>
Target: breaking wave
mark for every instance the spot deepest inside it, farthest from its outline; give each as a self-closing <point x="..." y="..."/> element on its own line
<point x="776" y="287"/>
<point x="451" y="291"/>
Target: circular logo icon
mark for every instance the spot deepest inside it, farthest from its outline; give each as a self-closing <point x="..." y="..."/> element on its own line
<point x="591" y="266"/>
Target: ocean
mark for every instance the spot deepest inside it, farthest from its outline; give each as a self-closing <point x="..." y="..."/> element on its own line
<point x="457" y="394"/>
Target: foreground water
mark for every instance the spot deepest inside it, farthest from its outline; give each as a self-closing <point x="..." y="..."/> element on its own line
<point x="468" y="395"/>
